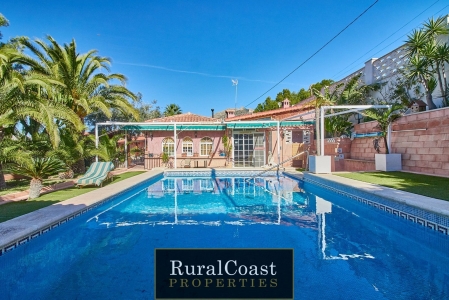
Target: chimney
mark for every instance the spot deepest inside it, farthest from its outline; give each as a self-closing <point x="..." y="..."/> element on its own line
<point x="286" y="103"/>
<point x="212" y="112"/>
<point x="230" y="113"/>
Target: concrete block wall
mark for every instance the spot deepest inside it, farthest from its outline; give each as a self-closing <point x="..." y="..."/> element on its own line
<point x="422" y="139"/>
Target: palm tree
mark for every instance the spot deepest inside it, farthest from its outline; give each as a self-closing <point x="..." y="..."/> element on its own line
<point x="24" y="98"/>
<point x="418" y="69"/>
<point x="326" y="99"/>
<point x="427" y="56"/>
<point x="356" y="93"/>
<point x="81" y="85"/>
<point x="84" y="88"/>
<point x="107" y="148"/>
<point x="338" y="125"/>
<point x="37" y="168"/>
<point x="172" y="109"/>
<point x="384" y="118"/>
<point x="442" y="57"/>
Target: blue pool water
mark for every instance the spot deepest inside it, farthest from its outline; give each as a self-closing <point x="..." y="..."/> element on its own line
<point x="342" y="248"/>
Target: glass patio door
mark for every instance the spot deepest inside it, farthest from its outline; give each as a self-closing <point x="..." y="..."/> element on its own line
<point x="249" y="150"/>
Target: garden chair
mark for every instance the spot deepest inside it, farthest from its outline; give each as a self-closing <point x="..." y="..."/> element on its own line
<point x="185" y="163"/>
<point x="97" y="173"/>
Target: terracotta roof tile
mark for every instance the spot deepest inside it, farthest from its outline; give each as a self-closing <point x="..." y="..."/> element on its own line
<point x="187" y="117"/>
<point x="299" y="107"/>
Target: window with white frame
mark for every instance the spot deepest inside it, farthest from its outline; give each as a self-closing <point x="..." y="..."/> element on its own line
<point x="187" y="185"/>
<point x="205" y="146"/>
<point x="187" y="146"/>
<point x="168" y="185"/>
<point x="168" y="146"/>
<point x="206" y="185"/>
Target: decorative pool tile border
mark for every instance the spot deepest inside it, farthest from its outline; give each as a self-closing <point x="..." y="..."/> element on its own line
<point x="219" y="173"/>
<point x="46" y="229"/>
<point x="70" y="217"/>
<point x="416" y="215"/>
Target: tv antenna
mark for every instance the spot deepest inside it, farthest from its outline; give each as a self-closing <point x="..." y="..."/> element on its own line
<point x="235" y="82"/>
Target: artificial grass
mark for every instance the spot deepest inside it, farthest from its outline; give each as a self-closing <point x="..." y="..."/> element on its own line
<point x="14" y="209"/>
<point x="425" y="185"/>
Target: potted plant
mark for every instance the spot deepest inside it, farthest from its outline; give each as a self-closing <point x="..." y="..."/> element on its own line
<point x="385" y="161"/>
<point x="165" y="158"/>
<point x="227" y="148"/>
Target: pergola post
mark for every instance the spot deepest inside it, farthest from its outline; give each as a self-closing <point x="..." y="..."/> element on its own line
<point x="96" y="141"/>
<point x="126" y="149"/>
<point x="176" y="143"/>
<point x="278" y="142"/>
<point x="322" y="131"/>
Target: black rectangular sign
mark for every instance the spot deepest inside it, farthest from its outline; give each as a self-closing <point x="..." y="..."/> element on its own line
<point x="223" y="273"/>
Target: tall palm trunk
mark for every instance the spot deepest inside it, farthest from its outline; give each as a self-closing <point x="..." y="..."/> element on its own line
<point x="429" y="99"/>
<point x="445" y="94"/>
<point x="35" y="188"/>
<point x="440" y="82"/>
<point x="387" y="151"/>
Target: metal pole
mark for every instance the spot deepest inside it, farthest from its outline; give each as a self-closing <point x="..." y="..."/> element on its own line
<point x="96" y="141"/>
<point x="389" y="135"/>
<point x="279" y="146"/>
<point x="126" y="150"/>
<point x="176" y="201"/>
<point x="322" y="131"/>
<point x="235" y="100"/>
<point x="176" y="143"/>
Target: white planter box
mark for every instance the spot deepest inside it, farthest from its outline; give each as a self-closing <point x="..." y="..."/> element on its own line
<point x="320" y="164"/>
<point x="388" y="162"/>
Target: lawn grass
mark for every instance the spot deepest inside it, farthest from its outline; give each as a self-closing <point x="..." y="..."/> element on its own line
<point x="20" y="185"/>
<point x="14" y="209"/>
<point x="426" y="185"/>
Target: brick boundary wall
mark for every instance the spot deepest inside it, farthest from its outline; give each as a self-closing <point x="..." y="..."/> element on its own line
<point x="422" y="139"/>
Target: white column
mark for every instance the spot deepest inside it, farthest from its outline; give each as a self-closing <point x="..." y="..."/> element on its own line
<point x="176" y="143"/>
<point x="322" y="131"/>
<point x="126" y="150"/>
<point x="96" y="141"/>
<point x="279" y="146"/>
<point x="232" y="149"/>
<point x="176" y="201"/>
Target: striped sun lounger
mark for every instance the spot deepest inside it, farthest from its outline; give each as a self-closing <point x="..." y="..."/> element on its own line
<point x="97" y="173"/>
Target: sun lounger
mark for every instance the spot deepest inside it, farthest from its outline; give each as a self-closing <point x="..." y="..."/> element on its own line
<point x="97" y="173"/>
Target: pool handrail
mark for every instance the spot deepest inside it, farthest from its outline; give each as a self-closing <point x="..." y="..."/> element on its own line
<point x="277" y="165"/>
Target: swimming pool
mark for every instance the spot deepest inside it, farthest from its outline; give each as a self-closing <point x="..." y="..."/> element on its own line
<point x="343" y="249"/>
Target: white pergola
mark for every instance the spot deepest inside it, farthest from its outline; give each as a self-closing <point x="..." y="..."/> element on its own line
<point x="352" y="109"/>
<point x="196" y="125"/>
<point x="321" y="162"/>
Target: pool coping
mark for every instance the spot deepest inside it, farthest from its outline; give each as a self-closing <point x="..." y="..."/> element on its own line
<point x="426" y="211"/>
<point x="434" y="205"/>
<point x="20" y="230"/>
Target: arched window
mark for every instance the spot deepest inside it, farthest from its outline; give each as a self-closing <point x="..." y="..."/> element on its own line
<point x="205" y="146"/>
<point x="168" y="146"/>
<point x="187" y="146"/>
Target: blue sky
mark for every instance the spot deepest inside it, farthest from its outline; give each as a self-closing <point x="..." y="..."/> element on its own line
<point x="186" y="52"/>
